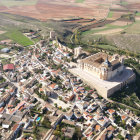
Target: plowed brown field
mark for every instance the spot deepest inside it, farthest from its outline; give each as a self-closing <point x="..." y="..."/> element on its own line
<point x="61" y="9"/>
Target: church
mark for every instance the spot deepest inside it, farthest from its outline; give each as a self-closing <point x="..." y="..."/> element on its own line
<point x="104" y="72"/>
<point x="102" y="65"/>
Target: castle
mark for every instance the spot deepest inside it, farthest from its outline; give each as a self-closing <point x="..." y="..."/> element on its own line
<point x="104" y="72"/>
<point x="102" y="65"/>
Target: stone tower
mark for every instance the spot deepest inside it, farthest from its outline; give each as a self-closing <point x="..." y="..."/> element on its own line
<point x="77" y="51"/>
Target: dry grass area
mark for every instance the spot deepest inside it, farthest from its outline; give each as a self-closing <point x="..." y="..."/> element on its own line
<point x="112" y="31"/>
<point x="121" y="23"/>
<point x="116" y="15"/>
<point x="132" y="4"/>
<point x="2" y="32"/>
<point x="127" y="41"/>
<point x="137" y="18"/>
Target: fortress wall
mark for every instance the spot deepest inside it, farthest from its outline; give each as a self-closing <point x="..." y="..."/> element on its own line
<point x="102" y="90"/>
<point x="112" y="74"/>
<point x="131" y="79"/>
<point x="113" y="90"/>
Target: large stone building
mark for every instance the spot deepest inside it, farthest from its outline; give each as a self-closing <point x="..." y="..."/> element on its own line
<point x="103" y="66"/>
<point x="105" y="73"/>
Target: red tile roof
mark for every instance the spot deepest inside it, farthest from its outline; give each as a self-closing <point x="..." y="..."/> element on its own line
<point x="9" y="67"/>
<point x="97" y="127"/>
<point x="52" y="85"/>
<point x="15" y="127"/>
<point x="111" y="111"/>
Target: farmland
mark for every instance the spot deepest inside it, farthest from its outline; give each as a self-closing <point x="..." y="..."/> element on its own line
<point x="138" y="14"/>
<point x="11" y="3"/>
<point x="79" y="1"/>
<point x="133" y="29"/>
<point x="92" y="18"/>
<point x="62" y="9"/>
<point x="110" y="15"/>
<point x="17" y="37"/>
<point x="107" y="47"/>
<point x="102" y="29"/>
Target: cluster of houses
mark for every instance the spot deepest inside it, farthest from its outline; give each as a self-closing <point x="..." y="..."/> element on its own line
<point x="39" y="81"/>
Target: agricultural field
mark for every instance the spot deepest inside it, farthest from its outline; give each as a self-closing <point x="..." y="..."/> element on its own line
<point x="121" y="23"/>
<point x="1" y="47"/>
<point x="127" y="37"/>
<point x="79" y="1"/>
<point x="110" y="15"/>
<point x="107" y="47"/>
<point x="54" y="9"/>
<point x="138" y="14"/>
<point x="106" y="29"/>
<point x="17" y="37"/>
<point x="11" y="3"/>
<point x="134" y="28"/>
<point x="125" y="41"/>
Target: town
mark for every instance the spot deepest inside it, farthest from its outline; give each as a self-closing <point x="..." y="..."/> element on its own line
<point x="43" y="96"/>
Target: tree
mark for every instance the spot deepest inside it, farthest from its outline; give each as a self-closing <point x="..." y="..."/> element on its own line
<point x="57" y="133"/>
<point x="84" y="138"/>
<point x="58" y="128"/>
<point x="46" y="123"/>
<point x="55" y="104"/>
<point x="78" y="134"/>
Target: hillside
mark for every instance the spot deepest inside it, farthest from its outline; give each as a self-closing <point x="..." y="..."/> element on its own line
<point x="115" y="21"/>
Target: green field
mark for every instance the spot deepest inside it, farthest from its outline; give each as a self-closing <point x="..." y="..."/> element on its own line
<point x="110" y="14"/>
<point x="138" y="14"/>
<point x="17" y="37"/>
<point x="107" y="47"/>
<point x="1" y="47"/>
<point x="124" y="3"/>
<point x="105" y="28"/>
<point x="79" y="1"/>
<point x="10" y="3"/>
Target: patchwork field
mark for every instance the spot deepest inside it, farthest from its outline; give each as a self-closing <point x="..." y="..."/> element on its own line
<point x="56" y="9"/>
<point x="121" y="23"/>
<point x="17" y="37"/>
<point x="11" y="3"/>
<point x="111" y="31"/>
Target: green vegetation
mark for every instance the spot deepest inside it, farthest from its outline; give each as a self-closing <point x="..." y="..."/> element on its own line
<point x="46" y="123"/>
<point x="105" y="28"/>
<point x="5" y="61"/>
<point x="2" y="80"/>
<point x="130" y="95"/>
<point x="110" y="14"/>
<point x="39" y="131"/>
<point x="18" y="37"/>
<point x="79" y="1"/>
<point x="10" y="3"/>
<point x="138" y="14"/>
<point x="120" y="137"/>
<point x="3" y="37"/>
<point x="124" y="3"/>
<point x="106" y="47"/>
<point x="1" y="47"/>
<point x="58" y="132"/>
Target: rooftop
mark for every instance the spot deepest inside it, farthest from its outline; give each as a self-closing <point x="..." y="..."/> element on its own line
<point x="99" y="59"/>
